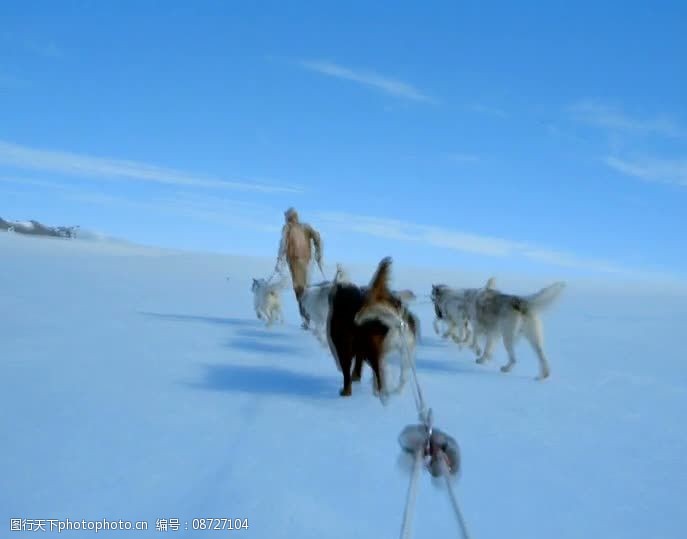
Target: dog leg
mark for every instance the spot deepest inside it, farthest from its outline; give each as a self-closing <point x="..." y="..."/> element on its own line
<point x="467" y="332"/>
<point x="436" y="326"/>
<point x="459" y="334"/>
<point x="357" y="369"/>
<point x="382" y="395"/>
<point x="488" y="350"/>
<point x="346" y="359"/>
<point x="460" y="337"/>
<point x="508" y="342"/>
<point x="473" y="344"/>
<point x="347" y="389"/>
<point x="377" y="369"/>
<point x="449" y="332"/>
<point x="535" y="336"/>
<point x="471" y="339"/>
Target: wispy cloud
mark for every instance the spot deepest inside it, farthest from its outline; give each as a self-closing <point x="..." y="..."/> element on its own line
<point x="212" y="210"/>
<point x="253" y="216"/>
<point x="223" y="210"/>
<point x="72" y="164"/>
<point x="462" y="241"/>
<point x="603" y="116"/>
<point x="36" y="183"/>
<point x="672" y="171"/>
<point x="626" y="132"/>
<point x="385" y="84"/>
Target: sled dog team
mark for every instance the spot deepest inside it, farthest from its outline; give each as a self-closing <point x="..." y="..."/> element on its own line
<point x="364" y="324"/>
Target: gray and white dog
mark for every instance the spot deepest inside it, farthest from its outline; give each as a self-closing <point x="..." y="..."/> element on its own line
<point x="492" y="313"/>
<point x="451" y="306"/>
<point x="315" y="301"/>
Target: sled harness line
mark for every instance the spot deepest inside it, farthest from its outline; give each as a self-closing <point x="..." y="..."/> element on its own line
<point x="423" y="302"/>
<point x="430" y="446"/>
<point x="272" y="276"/>
<point x="274" y="273"/>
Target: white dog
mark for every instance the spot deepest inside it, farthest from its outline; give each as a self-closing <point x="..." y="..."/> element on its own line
<point x="492" y="314"/>
<point x="267" y="300"/>
<point x="315" y="301"/>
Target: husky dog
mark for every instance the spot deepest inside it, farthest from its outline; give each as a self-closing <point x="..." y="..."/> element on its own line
<point x="365" y="324"/>
<point x="267" y="300"/>
<point x="451" y="307"/>
<point x="315" y="302"/>
<point x="493" y="313"/>
<point x="439" y="296"/>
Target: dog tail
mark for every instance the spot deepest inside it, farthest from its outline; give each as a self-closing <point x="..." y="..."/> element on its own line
<point x="542" y="299"/>
<point x="379" y="285"/>
<point x="373" y="306"/>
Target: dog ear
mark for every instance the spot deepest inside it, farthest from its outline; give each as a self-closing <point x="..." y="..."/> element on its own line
<point x="491" y="283"/>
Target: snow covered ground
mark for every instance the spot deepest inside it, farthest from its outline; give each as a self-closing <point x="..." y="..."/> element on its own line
<point x="137" y="384"/>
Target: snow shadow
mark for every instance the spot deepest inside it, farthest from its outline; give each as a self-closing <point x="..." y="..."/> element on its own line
<point x="261" y="346"/>
<point x="437" y="365"/>
<point x="456" y="366"/>
<point x="263" y="333"/>
<point x="263" y="380"/>
<point x="237" y="322"/>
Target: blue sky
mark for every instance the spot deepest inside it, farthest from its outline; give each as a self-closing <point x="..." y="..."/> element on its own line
<point x="506" y="136"/>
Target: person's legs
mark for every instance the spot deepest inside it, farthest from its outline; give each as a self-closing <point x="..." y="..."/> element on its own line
<point x="299" y="276"/>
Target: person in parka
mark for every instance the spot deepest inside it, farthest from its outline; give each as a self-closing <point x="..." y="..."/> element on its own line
<point x="295" y="249"/>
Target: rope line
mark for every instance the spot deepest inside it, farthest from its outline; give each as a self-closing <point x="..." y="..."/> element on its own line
<point x="454" y="502"/>
<point x="406" y="528"/>
<point x="419" y="400"/>
<point x="426" y="452"/>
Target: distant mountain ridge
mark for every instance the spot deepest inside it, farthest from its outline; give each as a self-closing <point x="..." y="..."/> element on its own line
<point x="35" y="228"/>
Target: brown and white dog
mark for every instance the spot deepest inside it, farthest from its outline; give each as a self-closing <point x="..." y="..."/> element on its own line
<point x="364" y="324"/>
